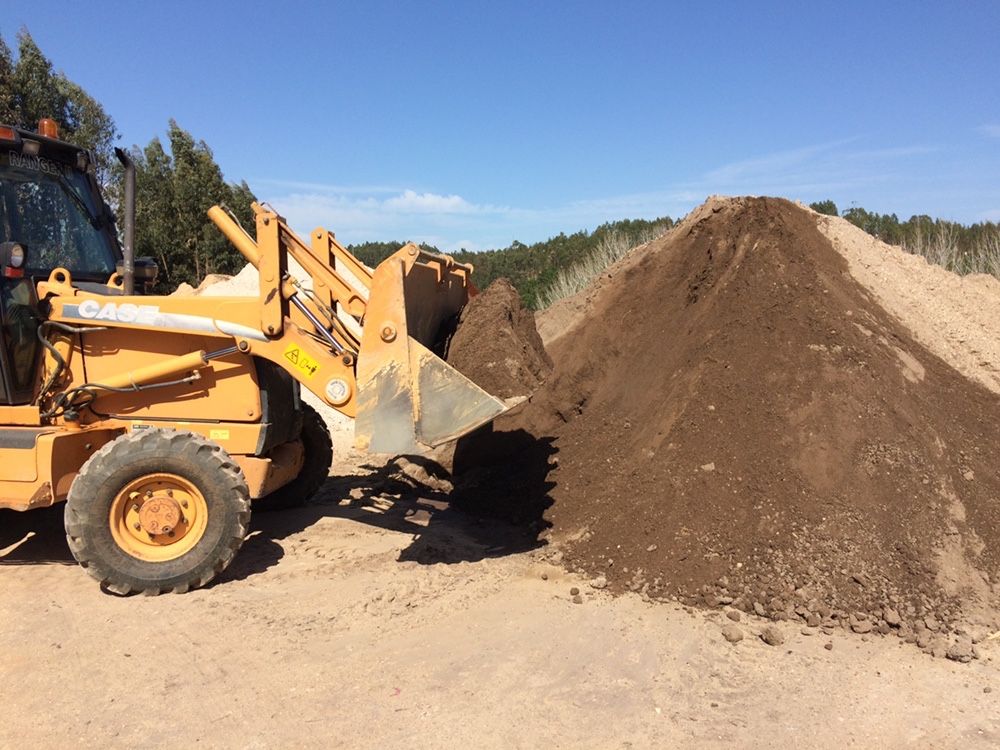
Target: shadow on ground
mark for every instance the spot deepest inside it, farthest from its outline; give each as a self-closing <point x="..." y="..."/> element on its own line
<point x="34" y="537"/>
<point x="492" y="505"/>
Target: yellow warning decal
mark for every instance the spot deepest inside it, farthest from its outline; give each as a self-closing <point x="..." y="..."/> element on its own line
<point x="218" y="434"/>
<point x="301" y="360"/>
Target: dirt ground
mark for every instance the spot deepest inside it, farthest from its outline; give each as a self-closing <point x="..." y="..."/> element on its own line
<point x="391" y="620"/>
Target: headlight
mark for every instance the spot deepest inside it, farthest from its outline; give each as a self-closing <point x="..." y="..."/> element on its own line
<point x="16" y="256"/>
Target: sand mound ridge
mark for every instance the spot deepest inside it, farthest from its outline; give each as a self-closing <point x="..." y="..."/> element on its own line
<point x="736" y="421"/>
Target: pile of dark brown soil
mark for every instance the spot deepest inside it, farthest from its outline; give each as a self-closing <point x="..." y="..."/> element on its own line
<point x="738" y="423"/>
<point x="496" y="344"/>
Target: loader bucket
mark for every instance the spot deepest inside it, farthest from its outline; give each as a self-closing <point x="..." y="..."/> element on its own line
<point x="408" y="398"/>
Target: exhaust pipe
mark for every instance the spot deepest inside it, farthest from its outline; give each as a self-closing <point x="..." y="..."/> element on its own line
<point x="128" y="230"/>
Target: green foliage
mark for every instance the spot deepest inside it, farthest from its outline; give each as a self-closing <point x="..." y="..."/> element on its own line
<point x="173" y="193"/>
<point x="373" y="253"/>
<point x="174" y="188"/>
<point x="530" y="268"/>
<point x="30" y="89"/>
<point x="958" y="247"/>
<point x="825" y="207"/>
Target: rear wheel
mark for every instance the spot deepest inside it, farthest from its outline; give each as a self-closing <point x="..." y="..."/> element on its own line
<point x="156" y="511"/>
<point x="318" y="449"/>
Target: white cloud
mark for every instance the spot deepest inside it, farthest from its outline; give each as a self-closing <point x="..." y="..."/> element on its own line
<point x="991" y="130"/>
<point x="451" y="221"/>
<point x="769" y="163"/>
<point x="411" y="201"/>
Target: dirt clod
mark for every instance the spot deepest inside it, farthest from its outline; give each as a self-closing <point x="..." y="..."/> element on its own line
<point x="496" y="344"/>
<point x="732" y="633"/>
<point x="772" y="636"/>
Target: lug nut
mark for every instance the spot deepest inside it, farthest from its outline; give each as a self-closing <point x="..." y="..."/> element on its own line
<point x="184" y="503"/>
<point x="137" y="526"/>
<point x="170" y="493"/>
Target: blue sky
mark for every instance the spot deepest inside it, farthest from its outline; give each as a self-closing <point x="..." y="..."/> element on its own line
<point x="473" y="124"/>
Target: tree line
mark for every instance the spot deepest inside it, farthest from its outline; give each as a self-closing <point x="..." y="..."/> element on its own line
<point x="961" y="248"/>
<point x="175" y="185"/>
<point x="533" y="268"/>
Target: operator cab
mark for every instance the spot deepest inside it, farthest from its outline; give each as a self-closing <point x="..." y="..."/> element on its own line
<point x="51" y="216"/>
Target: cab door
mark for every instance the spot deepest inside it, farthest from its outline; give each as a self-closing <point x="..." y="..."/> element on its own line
<point x="19" y="344"/>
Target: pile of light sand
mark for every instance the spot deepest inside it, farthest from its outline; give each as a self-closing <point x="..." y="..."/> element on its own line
<point x="956" y="317"/>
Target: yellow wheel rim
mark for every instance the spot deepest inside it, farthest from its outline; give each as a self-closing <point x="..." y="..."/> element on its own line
<point x="158" y="517"/>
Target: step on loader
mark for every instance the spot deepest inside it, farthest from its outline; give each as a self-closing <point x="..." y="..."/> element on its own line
<point x="162" y="421"/>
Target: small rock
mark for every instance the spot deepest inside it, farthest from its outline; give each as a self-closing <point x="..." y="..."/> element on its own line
<point x="545" y="576"/>
<point x="651" y="548"/>
<point x="987" y="689"/>
<point x="931" y="623"/>
<point x="891" y="617"/>
<point x="772" y="636"/>
<point x="732" y="633"/>
<point x="574" y="591"/>
<point x="807" y="631"/>
<point x="812" y="620"/>
<point x="861" y="626"/>
<point x="961" y="650"/>
<point x="708" y="467"/>
<point x="734" y="615"/>
<point x="758" y="609"/>
<point x="828" y="645"/>
<point x="969" y="475"/>
<point x="599" y="583"/>
<point x="577" y="599"/>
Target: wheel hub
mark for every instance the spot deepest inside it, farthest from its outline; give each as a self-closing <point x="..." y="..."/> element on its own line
<point x="158" y="517"/>
<point x="159" y="514"/>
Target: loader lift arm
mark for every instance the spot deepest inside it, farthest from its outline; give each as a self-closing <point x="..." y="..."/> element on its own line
<point x="360" y="341"/>
<point x="383" y="371"/>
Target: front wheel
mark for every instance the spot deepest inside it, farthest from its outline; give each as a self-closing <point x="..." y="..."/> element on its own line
<point x="318" y="455"/>
<point x="156" y="511"/>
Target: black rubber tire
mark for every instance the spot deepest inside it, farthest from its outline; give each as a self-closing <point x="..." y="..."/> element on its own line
<point x="201" y="462"/>
<point x="318" y="449"/>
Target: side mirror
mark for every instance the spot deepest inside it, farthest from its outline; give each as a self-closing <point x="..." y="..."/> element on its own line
<point x="13" y="258"/>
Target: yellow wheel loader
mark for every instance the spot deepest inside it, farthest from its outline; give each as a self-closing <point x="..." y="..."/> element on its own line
<point x="163" y="420"/>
